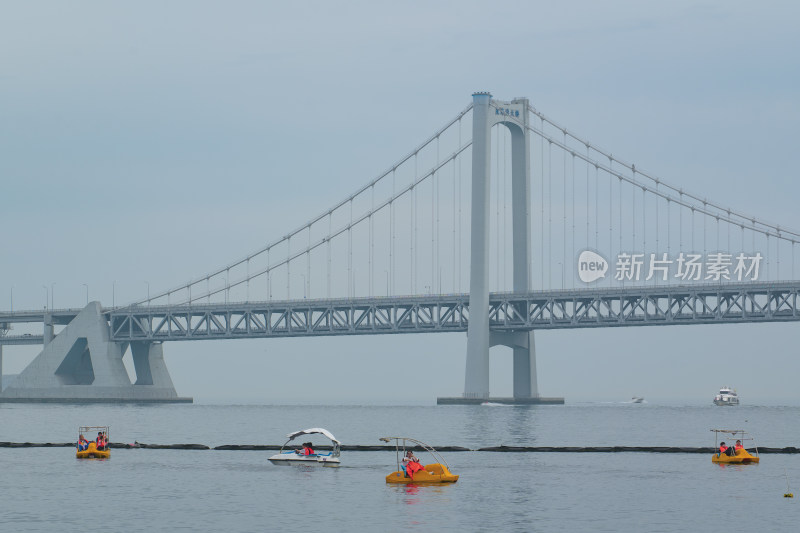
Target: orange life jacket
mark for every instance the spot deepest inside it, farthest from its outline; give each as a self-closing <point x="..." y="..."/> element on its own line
<point x="723" y="449"/>
<point x="308" y="451"/>
<point x="738" y="447"/>
<point x="412" y="467"/>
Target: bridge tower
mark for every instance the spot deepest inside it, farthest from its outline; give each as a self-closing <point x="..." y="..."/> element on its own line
<point x="486" y="114"/>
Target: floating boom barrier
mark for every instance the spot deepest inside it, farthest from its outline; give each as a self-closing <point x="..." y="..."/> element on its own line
<point x="381" y="448"/>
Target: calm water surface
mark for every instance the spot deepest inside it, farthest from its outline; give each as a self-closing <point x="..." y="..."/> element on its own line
<point x="46" y="489"/>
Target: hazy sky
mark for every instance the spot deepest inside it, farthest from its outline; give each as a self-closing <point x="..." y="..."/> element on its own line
<point x="154" y="141"/>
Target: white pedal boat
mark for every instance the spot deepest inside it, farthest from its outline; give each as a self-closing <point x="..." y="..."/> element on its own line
<point x="292" y="457"/>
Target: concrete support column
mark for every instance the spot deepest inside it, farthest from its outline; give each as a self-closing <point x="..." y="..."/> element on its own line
<point x="148" y="361"/>
<point x="48" y="332"/>
<point x="476" y="381"/>
<point x="140" y="353"/>
<point x="525" y="383"/>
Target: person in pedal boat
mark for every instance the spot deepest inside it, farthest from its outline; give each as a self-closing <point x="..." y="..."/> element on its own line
<point x="307" y="449"/>
<point x="411" y="464"/>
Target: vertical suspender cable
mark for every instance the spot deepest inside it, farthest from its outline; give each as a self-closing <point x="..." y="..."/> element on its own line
<point x="573" y="211"/>
<point x="633" y="217"/>
<point x="371" y="242"/>
<point x="705" y="217"/>
<point x="438" y="209"/>
<point x="227" y="284"/>
<point x="549" y="214"/>
<point x="413" y="236"/>
<point x="741" y="236"/>
<point x="680" y="222"/>
<point x="644" y="224"/>
<point x="391" y="232"/>
<point x="728" y="225"/>
<point x="350" y="289"/>
<point x="541" y="157"/>
<point x="669" y="230"/>
<point x="611" y="215"/>
<point x="658" y="250"/>
<point x="269" y="277"/>
<point x="766" y="235"/>
<point x="455" y="223"/>
<point x="288" y="267"/>
<point x="588" y="214"/>
<point x="433" y="223"/>
<point x="496" y="208"/>
<point x="596" y="209"/>
<point x="459" y="213"/>
<point x="564" y="217"/>
<point x="619" y="229"/>
<point x="411" y="264"/>
<point x="505" y="212"/>
<point x="328" y="246"/>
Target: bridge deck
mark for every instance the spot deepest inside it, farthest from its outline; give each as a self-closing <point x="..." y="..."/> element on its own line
<point x="612" y="307"/>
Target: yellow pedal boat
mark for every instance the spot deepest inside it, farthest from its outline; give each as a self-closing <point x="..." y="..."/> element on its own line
<point x="90" y="451"/>
<point x="741" y="456"/>
<point x="438" y="472"/>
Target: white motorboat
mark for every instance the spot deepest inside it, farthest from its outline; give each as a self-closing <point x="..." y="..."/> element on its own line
<point x="726" y="396"/>
<point x="637" y="399"/>
<point x="300" y="457"/>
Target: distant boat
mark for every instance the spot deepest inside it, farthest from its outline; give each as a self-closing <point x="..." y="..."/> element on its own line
<point x="637" y="399"/>
<point x="726" y="396"/>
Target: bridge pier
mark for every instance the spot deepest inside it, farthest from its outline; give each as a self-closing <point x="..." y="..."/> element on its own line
<point x="48" y="331"/>
<point x="514" y="116"/>
<point x="148" y="361"/>
<point x="82" y="364"/>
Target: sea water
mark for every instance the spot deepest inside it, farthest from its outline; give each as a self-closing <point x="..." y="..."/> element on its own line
<point x="47" y="489"/>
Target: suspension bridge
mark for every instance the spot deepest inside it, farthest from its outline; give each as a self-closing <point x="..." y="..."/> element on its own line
<point x="501" y="223"/>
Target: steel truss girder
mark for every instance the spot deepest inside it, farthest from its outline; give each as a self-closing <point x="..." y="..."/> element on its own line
<point x="615" y="307"/>
<point x="708" y="304"/>
<point x="290" y="319"/>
